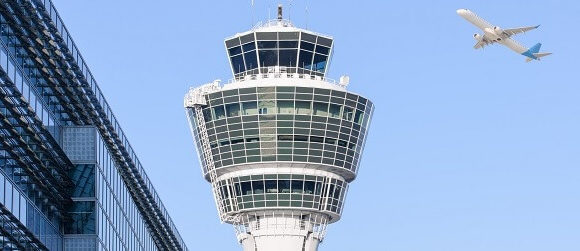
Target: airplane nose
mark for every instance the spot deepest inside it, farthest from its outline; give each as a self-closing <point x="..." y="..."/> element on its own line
<point x="461" y="11"/>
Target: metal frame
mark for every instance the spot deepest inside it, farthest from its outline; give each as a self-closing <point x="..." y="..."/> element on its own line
<point x="76" y="91"/>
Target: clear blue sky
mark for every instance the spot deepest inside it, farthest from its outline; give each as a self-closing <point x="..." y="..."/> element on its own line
<point x="469" y="150"/>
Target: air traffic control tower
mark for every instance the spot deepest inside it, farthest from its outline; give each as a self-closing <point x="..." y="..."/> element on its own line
<point x="280" y="142"/>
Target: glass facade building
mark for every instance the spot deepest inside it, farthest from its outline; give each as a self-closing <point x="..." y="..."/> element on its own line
<point x="280" y="142"/>
<point x="69" y="179"/>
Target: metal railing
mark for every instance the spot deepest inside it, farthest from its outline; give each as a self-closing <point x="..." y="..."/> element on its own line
<point x="289" y="72"/>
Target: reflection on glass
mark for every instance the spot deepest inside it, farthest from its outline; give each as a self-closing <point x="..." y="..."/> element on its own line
<point x="266" y="107"/>
<point x="219" y="112"/>
<point x="358" y="117"/>
<point x="246" y="188"/>
<point x="258" y="186"/>
<point x="250" y="108"/>
<point x="334" y="111"/>
<point x="283" y="186"/>
<point x="271" y="186"/>
<point x="233" y="109"/>
<point x="84" y="178"/>
<point x="320" y="109"/>
<point x="347" y="113"/>
<point x="303" y="107"/>
<point x="285" y="107"/>
<point x="297" y="186"/>
<point x="319" y="62"/>
<point x="309" y="187"/>
<point x="83" y="218"/>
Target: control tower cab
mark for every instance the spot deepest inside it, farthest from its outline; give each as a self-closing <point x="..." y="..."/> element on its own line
<point x="280" y="142"/>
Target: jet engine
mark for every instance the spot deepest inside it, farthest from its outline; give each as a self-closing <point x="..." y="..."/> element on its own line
<point x="477" y="37"/>
<point x="498" y="31"/>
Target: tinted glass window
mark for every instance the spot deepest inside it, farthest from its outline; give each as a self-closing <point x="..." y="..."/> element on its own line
<point x="319" y="62"/>
<point x="235" y="50"/>
<point x="267" y="44"/>
<point x="249" y="108"/>
<point x="249" y="46"/>
<point x="306" y="46"/>
<point x="233" y="109"/>
<point x="268" y="57"/>
<point x="305" y="60"/>
<point x="219" y="112"/>
<point x="238" y="64"/>
<point x="322" y="49"/>
<point x="251" y="60"/>
<point x="288" y="57"/>
<point x="288" y="44"/>
<point x="334" y="111"/>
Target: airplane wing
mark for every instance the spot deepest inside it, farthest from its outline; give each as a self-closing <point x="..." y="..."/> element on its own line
<point x="474" y="19"/>
<point x="514" y="31"/>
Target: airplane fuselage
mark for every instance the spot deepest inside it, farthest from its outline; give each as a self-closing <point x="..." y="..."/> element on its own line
<point x="494" y="34"/>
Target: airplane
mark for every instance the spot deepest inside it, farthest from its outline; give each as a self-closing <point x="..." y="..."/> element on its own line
<point x="494" y="34"/>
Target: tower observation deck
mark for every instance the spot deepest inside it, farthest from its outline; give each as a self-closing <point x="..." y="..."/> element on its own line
<point x="279" y="142"/>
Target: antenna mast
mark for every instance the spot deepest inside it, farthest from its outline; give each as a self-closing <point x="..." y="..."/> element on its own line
<point x="279" y="12"/>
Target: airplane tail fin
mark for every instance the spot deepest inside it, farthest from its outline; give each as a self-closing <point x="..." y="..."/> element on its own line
<point x="535" y="48"/>
<point x="534" y="53"/>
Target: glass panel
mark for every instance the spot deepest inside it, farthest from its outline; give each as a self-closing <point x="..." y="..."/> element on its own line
<point x="258" y="187"/>
<point x="334" y="111"/>
<point x="233" y="109"/>
<point x="235" y="50"/>
<point x="219" y="112"/>
<point x="309" y="187"/>
<point x="286" y="107"/>
<point x="251" y="60"/>
<point x="267" y="44"/>
<point x="319" y="62"/>
<point x="266" y="107"/>
<point x="305" y="60"/>
<point x="358" y="117"/>
<point x="288" y="44"/>
<point x="320" y="109"/>
<point x="306" y="46"/>
<point x="246" y="188"/>
<point x="322" y="50"/>
<point x="238" y="63"/>
<point x="83" y="177"/>
<point x="284" y="186"/>
<point x="347" y="113"/>
<point x="288" y="58"/>
<point x="268" y="58"/>
<point x="271" y="186"/>
<point x="249" y="46"/>
<point x="83" y="218"/>
<point x="303" y="107"/>
<point x="297" y="186"/>
<point x="250" y="108"/>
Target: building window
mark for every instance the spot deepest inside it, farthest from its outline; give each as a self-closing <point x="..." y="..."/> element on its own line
<point x="82" y="218"/>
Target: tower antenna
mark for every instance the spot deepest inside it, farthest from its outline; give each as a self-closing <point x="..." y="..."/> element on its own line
<point x="279" y="12"/>
<point x="253" y="12"/>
